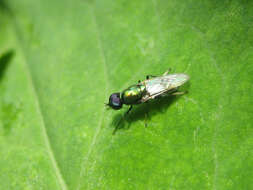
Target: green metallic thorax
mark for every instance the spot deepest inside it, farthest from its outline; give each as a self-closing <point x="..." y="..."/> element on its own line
<point x="133" y="94"/>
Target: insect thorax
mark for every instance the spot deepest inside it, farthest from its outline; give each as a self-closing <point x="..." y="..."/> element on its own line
<point x="133" y="94"/>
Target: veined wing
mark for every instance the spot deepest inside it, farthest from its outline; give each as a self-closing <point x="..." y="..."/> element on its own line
<point x="165" y="83"/>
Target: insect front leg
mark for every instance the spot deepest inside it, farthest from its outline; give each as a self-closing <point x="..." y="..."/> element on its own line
<point x="148" y="76"/>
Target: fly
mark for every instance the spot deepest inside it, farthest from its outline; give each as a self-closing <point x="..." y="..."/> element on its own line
<point x="151" y="88"/>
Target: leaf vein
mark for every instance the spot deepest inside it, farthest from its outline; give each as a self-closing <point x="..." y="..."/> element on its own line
<point x="98" y="128"/>
<point x="39" y="111"/>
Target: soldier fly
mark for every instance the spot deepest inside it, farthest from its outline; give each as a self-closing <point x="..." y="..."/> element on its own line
<point x="151" y="88"/>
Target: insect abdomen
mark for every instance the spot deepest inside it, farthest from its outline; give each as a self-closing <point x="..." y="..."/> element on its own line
<point x="133" y="94"/>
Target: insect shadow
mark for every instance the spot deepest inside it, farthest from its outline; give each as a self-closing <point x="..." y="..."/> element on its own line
<point x="143" y="112"/>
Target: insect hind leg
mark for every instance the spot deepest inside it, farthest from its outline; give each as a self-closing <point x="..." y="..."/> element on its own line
<point x="179" y="93"/>
<point x="146" y="120"/>
<point x="168" y="71"/>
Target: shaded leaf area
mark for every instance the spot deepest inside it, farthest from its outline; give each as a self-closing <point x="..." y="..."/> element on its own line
<point x="69" y="57"/>
<point x="3" y="5"/>
<point x="8" y="112"/>
<point x="4" y="61"/>
<point x="24" y="162"/>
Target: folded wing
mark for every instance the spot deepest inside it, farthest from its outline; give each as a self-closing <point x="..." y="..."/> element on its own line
<point x="165" y="83"/>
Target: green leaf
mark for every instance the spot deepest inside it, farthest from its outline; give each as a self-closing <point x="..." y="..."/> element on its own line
<point x="60" y="61"/>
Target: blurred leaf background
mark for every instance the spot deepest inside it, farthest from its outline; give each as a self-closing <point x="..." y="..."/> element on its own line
<point x="60" y="61"/>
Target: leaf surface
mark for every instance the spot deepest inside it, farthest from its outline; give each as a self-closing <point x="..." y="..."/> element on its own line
<point x="60" y="61"/>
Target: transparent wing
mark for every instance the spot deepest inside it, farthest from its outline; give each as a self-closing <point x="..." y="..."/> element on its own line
<point x="159" y="85"/>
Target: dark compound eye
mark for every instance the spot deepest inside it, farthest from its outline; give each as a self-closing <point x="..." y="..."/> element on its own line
<point x="115" y="101"/>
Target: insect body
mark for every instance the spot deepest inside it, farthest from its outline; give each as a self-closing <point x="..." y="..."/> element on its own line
<point x="143" y="91"/>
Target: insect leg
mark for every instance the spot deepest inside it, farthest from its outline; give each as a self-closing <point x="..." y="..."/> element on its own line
<point x="148" y="76"/>
<point x="146" y="119"/>
<point x="179" y="93"/>
<point x="130" y="108"/>
<point x="168" y="71"/>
